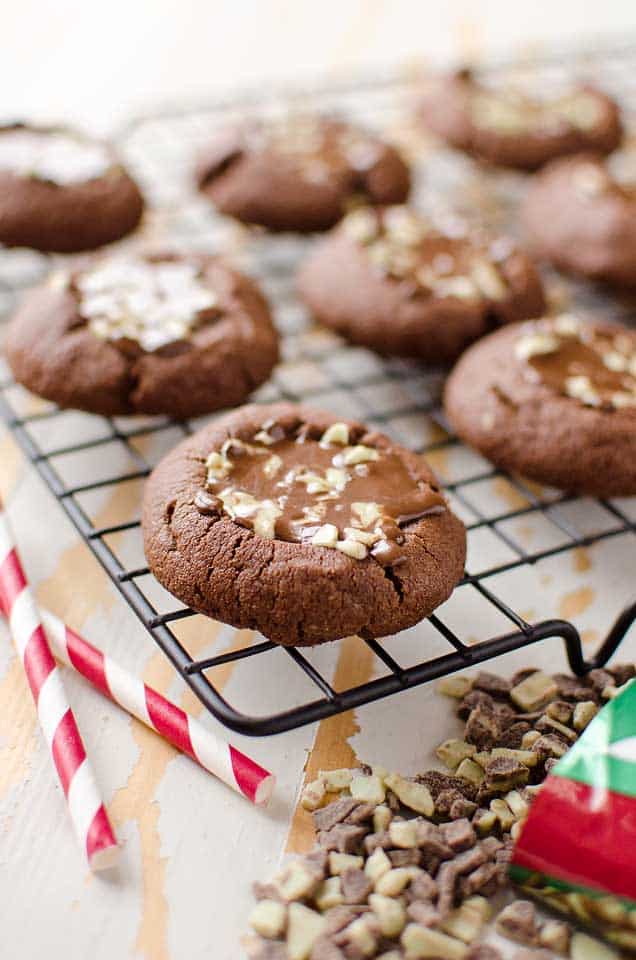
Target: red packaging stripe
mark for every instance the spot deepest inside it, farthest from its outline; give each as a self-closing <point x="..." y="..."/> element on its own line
<point x="169" y="720"/>
<point x="87" y="660"/>
<point x="248" y="774"/>
<point x="583" y="835"/>
<point x="68" y="749"/>
<point x="12" y="581"/>
<point x="38" y="661"/>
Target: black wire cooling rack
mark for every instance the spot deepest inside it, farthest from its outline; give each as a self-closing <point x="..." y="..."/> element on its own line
<point x="111" y="456"/>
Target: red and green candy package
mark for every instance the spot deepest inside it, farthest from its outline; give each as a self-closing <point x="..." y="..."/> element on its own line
<point x="577" y="850"/>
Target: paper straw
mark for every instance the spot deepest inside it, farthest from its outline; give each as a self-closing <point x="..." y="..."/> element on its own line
<point x="164" y="717"/>
<point x="57" y="722"/>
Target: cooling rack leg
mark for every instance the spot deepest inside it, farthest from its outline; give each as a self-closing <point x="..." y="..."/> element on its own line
<point x="572" y="639"/>
<point x="615" y="636"/>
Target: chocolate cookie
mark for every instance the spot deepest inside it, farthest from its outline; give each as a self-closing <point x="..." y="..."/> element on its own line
<point x="284" y="520"/>
<point x="61" y="192"/>
<point x="554" y="400"/>
<point x="582" y="220"/>
<point x="300" y="173"/>
<point x="504" y="127"/>
<point x="390" y="280"/>
<point x="178" y="335"/>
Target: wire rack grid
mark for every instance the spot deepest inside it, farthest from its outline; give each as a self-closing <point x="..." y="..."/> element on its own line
<point x="92" y="463"/>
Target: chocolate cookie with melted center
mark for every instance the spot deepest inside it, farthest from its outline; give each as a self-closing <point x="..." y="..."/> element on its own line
<point x="554" y="400"/>
<point x="61" y="192"/>
<point x="299" y="173"/>
<point x="176" y="335"/>
<point x="284" y="520"/>
<point x="583" y="220"/>
<point x="505" y="127"/>
<point x="393" y="281"/>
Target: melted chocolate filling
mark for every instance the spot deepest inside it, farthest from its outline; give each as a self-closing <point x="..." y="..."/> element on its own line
<point x="591" y="355"/>
<point x="308" y="487"/>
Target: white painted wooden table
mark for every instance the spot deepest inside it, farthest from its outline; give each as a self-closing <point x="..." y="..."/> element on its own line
<point x="191" y="847"/>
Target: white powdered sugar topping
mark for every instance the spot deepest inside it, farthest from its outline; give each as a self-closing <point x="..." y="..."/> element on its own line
<point x="153" y="303"/>
<point x="57" y="157"/>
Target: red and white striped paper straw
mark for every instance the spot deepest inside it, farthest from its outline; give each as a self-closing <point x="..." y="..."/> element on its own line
<point x="57" y="722"/>
<point x="188" y="735"/>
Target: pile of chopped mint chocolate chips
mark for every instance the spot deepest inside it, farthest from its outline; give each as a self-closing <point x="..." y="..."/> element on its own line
<point x="404" y="868"/>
